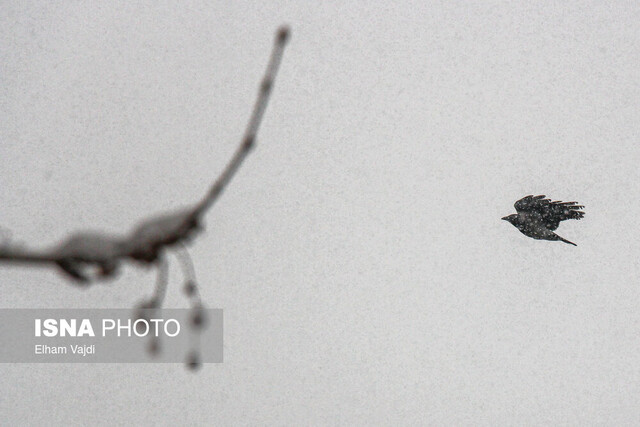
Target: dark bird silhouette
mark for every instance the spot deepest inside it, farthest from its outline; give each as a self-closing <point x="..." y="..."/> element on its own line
<point x="538" y="217"/>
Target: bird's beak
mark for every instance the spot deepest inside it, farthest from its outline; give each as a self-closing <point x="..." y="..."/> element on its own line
<point x="504" y="217"/>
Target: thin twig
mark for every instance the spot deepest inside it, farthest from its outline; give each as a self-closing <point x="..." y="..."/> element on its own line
<point x="252" y="126"/>
<point x="189" y="273"/>
<point x="161" y="283"/>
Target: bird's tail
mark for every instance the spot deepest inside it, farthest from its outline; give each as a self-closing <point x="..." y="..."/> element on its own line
<point x="566" y="241"/>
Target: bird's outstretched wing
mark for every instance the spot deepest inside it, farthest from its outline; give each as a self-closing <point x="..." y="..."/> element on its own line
<point x="550" y="212"/>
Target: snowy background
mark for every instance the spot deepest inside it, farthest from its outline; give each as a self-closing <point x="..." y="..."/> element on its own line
<point x="359" y="255"/>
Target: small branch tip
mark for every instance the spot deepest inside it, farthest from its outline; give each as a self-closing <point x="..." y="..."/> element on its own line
<point x="283" y="34"/>
<point x="193" y="362"/>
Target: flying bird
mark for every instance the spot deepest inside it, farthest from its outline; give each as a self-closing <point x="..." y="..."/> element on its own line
<point x="538" y="217"/>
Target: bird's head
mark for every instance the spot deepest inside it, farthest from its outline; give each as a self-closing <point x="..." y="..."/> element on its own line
<point x="511" y="218"/>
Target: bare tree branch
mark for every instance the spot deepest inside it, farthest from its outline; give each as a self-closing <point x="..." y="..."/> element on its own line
<point x="102" y="254"/>
<point x="252" y="126"/>
<point x="150" y="237"/>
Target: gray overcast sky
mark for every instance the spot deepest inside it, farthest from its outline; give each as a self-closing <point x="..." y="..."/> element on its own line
<point x="359" y="255"/>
